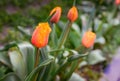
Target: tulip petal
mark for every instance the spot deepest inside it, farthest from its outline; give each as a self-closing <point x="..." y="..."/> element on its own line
<point x="40" y="35"/>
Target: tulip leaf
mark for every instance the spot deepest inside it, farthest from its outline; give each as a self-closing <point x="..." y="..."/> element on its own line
<point x="54" y="37"/>
<point x="3" y="70"/>
<point x="74" y="38"/>
<point x="76" y="57"/>
<point x="17" y="63"/>
<point x="7" y="46"/>
<point x="32" y="75"/>
<point x="72" y="69"/>
<point x="23" y="31"/>
<point x="5" y="59"/>
<point x="10" y="77"/>
<point x="64" y="34"/>
<point x="28" y="53"/>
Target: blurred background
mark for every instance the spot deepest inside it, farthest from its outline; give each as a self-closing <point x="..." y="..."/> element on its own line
<point x="102" y="16"/>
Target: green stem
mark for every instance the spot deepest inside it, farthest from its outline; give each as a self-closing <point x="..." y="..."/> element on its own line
<point x="37" y="57"/>
<point x="74" y="2"/>
<point x="44" y="53"/>
<point x="64" y="34"/>
<point x="44" y="56"/>
<point x="57" y="50"/>
<point x="54" y="37"/>
<point x="36" y="61"/>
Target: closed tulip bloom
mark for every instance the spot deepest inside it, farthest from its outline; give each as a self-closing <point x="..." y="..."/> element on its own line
<point x="117" y="2"/>
<point x="88" y="39"/>
<point x="40" y="35"/>
<point x="72" y="14"/>
<point x="56" y="12"/>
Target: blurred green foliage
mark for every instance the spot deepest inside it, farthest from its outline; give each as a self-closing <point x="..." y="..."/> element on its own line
<point x="27" y="12"/>
<point x="18" y="15"/>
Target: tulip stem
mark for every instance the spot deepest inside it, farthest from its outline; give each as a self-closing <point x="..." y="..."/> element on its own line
<point x="37" y="57"/>
<point x="36" y="60"/>
<point x="74" y="2"/>
<point x="54" y="36"/>
<point x="64" y="34"/>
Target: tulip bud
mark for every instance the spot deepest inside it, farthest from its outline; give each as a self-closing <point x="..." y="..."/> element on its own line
<point x="117" y="2"/>
<point x="72" y="14"/>
<point x="56" y="16"/>
<point x="88" y="39"/>
<point x="40" y="35"/>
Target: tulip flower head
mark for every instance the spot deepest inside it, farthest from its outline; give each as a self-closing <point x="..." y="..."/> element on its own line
<point x="56" y="12"/>
<point x="40" y="35"/>
<point x="72" y="14"/>
<point x="117" y="2"/>
<point x="88" y="39"/>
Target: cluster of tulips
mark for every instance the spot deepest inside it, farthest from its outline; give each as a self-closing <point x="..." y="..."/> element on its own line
<point x="42" y="61"/>
<point x="41" y="33"/>
<point x="69" y="64"/>
<point x="40" y="39"/>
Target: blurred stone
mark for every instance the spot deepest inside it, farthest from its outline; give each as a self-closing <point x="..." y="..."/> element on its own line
<point x="76" y="77"/>
<point x="100" y="40"/>
<point x="82" y="64"/>
<point x="95" y="57"/>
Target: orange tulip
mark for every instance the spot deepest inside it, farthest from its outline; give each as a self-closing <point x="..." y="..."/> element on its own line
<point x="88" y="39"/>
<point x="40" y="35"/>
<point x="117" y="2"/>
<point x="56" y="12"/>
<point x="72" y="14"/>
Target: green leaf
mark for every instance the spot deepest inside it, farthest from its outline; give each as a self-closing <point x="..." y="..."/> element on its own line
<point x="3" y="70"/>
<point x="5" y="59"/>
<point x="74" y="38"/>
<point x="64" y="34"/>
<point x="76" y="77"/>
<point x="18" y="64"/>
<point x="28" y="53"/>
<point x="7" y="46"/>
<point x="76" y="28"/>
<point x="10" y="77"/>
<point x="76" y="57"/>
<point x="32" y="75"/>
<point x="54" y="37"/>
<point x="23" y="31"/>
<point x="43" y="57"/>
<point x="47" y="72"/>
<point x="73" y="66"/>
